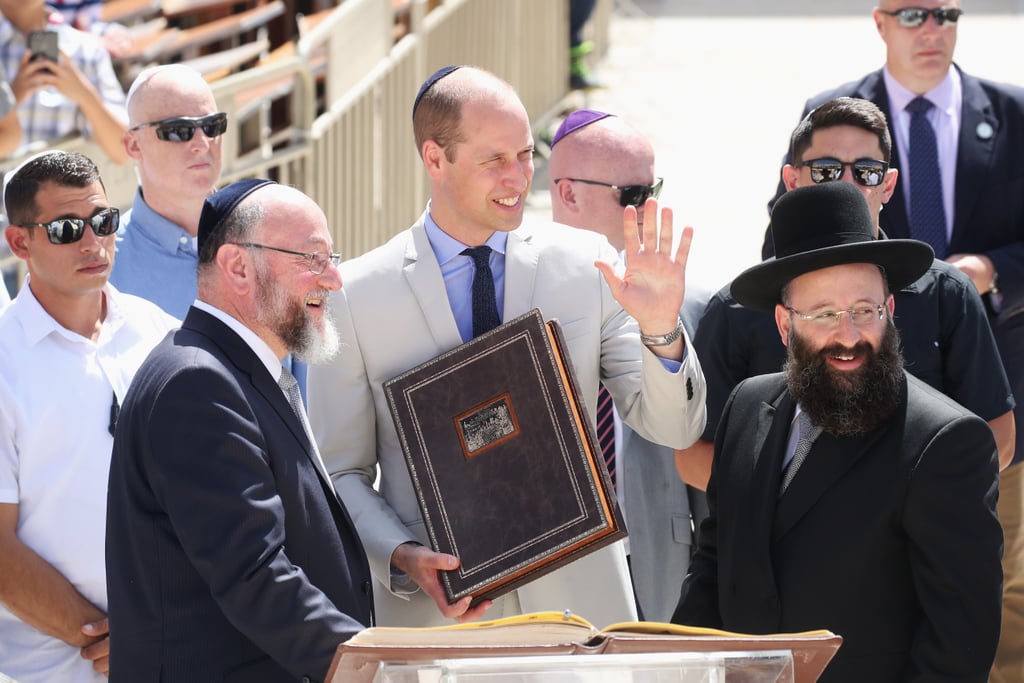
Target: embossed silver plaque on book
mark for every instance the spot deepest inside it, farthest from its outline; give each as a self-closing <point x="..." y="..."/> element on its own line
<point x="504" y="459"/>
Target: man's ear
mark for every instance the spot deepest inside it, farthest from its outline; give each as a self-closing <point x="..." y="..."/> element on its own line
<point x="17" y="241"/>
<point x="433" y="158"/>
<point x="783" y="322"/>
<point x="889" y="184"/>
<point x="236" y="264"/>
<point x="789" y="176"/>
<point x="131" y="146"/>
<point x="565" y="194"/>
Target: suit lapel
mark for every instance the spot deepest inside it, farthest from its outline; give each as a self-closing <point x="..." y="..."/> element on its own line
<point x="829" y="459"/>
<point x="521" y="261"/>
<point x="246" y="361"/>
<point x="974" y="154"/>
<point x="423" y="275"/>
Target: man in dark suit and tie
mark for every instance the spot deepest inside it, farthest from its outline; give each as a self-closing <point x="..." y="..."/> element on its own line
<point x="883" y="529"/>
<point x="978" y="201"/>
<point x="229" y="556"/>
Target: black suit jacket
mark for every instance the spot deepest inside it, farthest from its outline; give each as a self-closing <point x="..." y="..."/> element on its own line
<point x="228" y="555"/>
<point x="889" y="539"/>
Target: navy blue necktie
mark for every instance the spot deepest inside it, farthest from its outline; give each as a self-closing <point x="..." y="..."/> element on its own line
<point x="606" y="429"/>
<point x="485" y="304"/>
<point x="927" y="210"/>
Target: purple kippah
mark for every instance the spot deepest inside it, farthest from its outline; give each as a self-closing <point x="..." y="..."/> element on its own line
<point x="576" y="120"/>
<point x="219" y="205"/>
<point x="429" y="83"/>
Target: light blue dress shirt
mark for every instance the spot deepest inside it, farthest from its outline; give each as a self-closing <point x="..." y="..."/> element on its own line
<point x="156" y="259"/>
<point x="458" y="271"/>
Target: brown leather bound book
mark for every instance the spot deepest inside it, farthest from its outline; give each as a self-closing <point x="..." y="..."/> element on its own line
<point x="554" y="633"/>
<point x="503" y="458"/>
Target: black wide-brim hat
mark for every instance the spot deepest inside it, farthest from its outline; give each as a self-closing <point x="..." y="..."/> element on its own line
<point x="820" y="226"/>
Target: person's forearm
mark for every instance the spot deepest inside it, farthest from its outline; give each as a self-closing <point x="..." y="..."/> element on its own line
<point x="694" y="464"/>
<point x="42" y="597"/>
<point x="107" y="130"/>
<point x="1004" y="429"/>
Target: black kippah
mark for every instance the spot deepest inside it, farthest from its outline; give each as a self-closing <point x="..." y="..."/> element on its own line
<point x="429" y="83"/>
<point x="219" y="205"/>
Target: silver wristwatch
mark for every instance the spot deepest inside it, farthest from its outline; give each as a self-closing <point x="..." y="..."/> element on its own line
<point x="663" y="339"/>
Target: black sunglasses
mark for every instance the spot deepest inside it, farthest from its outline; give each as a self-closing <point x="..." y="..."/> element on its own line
<point x="866" y="172"/>
<point x="912" y="17"/>
<point x="629" y="195"/>
<point x="70" y="230"/>
<point x="182" y="128"/>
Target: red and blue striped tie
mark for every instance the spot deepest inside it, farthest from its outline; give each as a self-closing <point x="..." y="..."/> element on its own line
<point x="606" y="429"/>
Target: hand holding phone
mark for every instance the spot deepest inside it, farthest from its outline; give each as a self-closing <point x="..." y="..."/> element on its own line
<point x="43" y="44"/>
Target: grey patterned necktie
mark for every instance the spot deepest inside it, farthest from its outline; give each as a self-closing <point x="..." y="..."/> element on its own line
<point x="808" y="433"/>
<point x="290" y="386"/>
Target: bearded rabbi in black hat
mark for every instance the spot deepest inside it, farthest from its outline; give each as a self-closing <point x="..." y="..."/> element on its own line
<point x="846" y="494"/>
<point x="229" y="555"/>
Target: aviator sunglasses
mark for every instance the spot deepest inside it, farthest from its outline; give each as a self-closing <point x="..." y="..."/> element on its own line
<point x="629" y="195"/>
<point x="182" y="128"/>
<point x="70" y="230"/>
<point x="912" y="17"/>
<point x="866" y="172"/>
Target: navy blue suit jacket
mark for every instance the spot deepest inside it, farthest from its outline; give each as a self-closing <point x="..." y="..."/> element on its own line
<point x="229" y="557"/>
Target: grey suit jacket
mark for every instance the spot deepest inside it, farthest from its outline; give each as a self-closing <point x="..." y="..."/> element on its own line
<point x="657" y="505"/>
<point x="393" y="313"/>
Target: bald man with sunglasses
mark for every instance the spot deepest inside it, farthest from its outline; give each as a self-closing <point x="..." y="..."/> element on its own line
<point x="946" y="337"/>
<point x="174" y="136"/>
<point x="599" y="165"/>
<point x="70" y="344"/>
<point x="971" y="211"/>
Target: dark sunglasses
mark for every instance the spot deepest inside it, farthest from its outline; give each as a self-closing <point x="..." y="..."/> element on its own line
<point x="912" y="17"/>
<point x="629" y="195"/>
<point x="70" y="230"/>
<point x="866" y="172"/>
<point x="182" y="128"/>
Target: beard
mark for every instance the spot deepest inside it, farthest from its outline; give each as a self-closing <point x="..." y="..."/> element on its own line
<point x="851" y="402"/>
<point x="289" y="320"/>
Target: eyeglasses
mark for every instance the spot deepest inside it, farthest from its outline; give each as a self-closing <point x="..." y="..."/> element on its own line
<point x="830" y="319"/>
<point x="866" y="172"/>
<point x="629" y="195"/>
<point x="912" y="17"/>
<point x="182" y="128"/>
<point x="70" y="230"/>
<point x="318" y="260"/>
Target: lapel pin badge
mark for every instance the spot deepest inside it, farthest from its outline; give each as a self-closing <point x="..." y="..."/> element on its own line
<point x="984" y="130"/>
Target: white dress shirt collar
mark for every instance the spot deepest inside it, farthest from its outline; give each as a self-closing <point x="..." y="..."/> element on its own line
<point x="258" y="346"/>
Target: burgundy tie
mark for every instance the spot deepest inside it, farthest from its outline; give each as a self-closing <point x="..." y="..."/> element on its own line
<point x="606" y="429"/>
